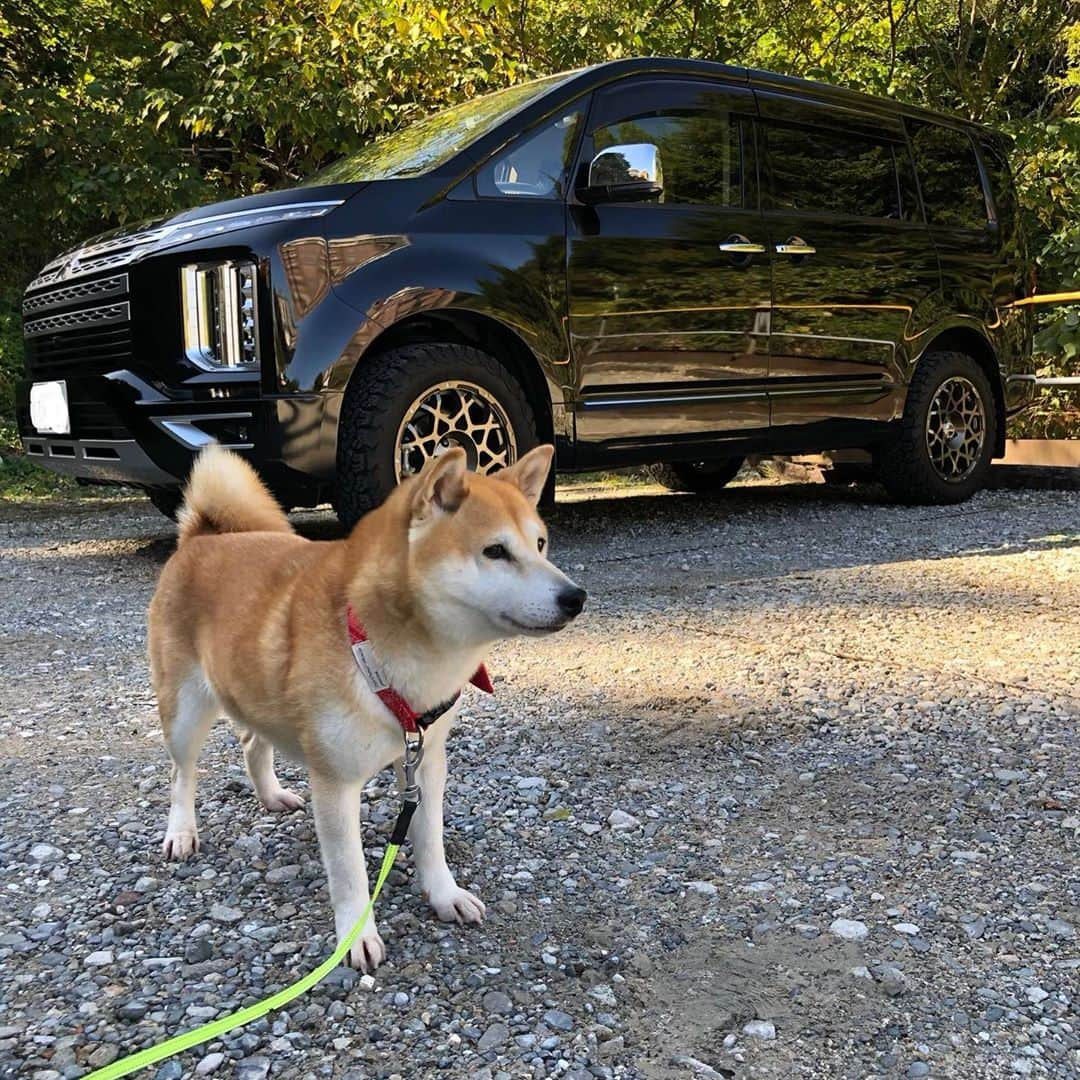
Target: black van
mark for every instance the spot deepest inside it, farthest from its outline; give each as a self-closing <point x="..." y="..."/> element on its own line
<point x="644" y="261"/>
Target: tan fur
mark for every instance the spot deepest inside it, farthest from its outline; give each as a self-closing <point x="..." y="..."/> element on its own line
<point x="224" y="495"/>
<point x="249" y="621"/>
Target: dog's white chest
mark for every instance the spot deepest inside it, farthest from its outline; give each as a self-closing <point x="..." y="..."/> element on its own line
<point x="356" y="743"/>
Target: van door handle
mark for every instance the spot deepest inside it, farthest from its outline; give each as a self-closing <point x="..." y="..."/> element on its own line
<point x="795" y="246"/>
<point x="737" y="244"/>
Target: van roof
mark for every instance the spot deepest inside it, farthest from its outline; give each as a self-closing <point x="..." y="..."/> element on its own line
<point x="771" y="80"/>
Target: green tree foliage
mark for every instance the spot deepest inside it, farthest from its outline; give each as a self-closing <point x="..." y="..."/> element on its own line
<point x="115" y="110"/>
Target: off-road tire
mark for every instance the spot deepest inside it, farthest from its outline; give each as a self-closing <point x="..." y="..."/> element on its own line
<point x="166" y="500"/>
<point x="380" y="391"/>
<point x="904" y="465"/>
<point x="703" y="477"/>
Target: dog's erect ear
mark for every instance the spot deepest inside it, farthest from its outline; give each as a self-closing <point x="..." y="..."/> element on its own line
<point x="530" y="473"/>
<point x="442" y="485"/>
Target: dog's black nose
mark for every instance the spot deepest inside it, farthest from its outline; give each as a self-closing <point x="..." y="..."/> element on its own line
<point x="572" y="600"/>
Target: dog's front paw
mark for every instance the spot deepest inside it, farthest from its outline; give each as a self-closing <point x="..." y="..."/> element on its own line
<point x="180" y="844"/>
<point x="458" y="905"/>
<point x="282" y="801"/>
<point x="367" y="952"/>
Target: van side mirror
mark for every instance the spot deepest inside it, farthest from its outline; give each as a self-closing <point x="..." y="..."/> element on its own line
<point x="628" y="173"/>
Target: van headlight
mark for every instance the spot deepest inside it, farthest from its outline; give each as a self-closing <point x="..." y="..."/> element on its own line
<point x="220" y="312"/>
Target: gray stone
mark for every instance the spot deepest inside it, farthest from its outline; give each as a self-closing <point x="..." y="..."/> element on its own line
<point x="104" y="1055"/>
<point x="495" y="1036"/>
<point x="495" y="1001"/>
<point x="210" y="1064"/>
<point x="559" y="1020"/>
<point x="891" y="980"/>
<point x="621" y="821"/>
<point x="760" y="1029"/>
<point x="849" y="929"/>
<point x="281" y="874"/>
<point x="198" y="951"/>
<point x="224" y="914"/>
<point x="702" y="888"/>
<point x="252" y="1068"/>
<point x="133" y="1010"/>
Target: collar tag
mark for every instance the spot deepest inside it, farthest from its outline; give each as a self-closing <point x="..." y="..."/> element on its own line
<point x="369" y="666"/>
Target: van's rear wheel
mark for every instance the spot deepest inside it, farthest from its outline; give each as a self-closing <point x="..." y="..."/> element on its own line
<point x="700" y="476"/>
<point x="943" y="446"/>
<point x="410" y="404"/>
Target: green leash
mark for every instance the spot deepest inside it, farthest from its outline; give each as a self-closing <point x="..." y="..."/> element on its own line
<point x="410" y="796"/>
<point x="153" y="1054"/>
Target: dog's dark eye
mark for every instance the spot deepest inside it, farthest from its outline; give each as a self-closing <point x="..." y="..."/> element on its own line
<point x="496" y="551"/>
<point x="541" y="543"/>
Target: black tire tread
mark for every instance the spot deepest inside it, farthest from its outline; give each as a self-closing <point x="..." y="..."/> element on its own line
<point x="903" y="465"/>
<point x="680" y="479"/>
<point x="369" y="398"/>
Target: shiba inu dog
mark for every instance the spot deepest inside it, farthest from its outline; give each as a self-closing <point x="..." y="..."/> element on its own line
<point x="251" y="621"/>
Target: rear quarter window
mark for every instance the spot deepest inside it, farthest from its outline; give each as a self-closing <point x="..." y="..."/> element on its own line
<point x="949" y="177"/>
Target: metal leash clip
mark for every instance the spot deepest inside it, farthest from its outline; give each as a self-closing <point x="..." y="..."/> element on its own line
<point x="414" y="754"/>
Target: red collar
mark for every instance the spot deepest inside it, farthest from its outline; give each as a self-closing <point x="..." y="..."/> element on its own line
<point x="410" y="720"/>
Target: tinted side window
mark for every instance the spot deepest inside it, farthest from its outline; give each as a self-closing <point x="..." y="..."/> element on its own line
<point x="949" y="177"/>
<point x="700" y="145"/>
<point x="535" y="167"/>
<point x="832" y="172"/>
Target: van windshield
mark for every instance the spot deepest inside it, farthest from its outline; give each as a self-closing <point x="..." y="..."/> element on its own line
<point x="426" y="144"/>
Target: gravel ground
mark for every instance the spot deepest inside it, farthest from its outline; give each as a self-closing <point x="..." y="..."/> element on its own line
<point x="796" y="797"/>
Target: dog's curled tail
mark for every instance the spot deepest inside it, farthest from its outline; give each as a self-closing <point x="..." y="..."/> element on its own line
<point x="224" y="495"/>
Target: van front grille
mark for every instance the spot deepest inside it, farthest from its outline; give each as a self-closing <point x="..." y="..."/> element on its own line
<point x="66" y="334"/>
<point x="100" y="289"/>
<point x="80" y="319"/>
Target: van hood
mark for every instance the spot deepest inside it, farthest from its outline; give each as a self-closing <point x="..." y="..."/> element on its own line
<point x="134" y="242"/>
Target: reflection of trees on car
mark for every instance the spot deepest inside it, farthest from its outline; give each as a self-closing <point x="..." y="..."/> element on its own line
<point x="699" y="153"/>
<point x="832" y="172"/>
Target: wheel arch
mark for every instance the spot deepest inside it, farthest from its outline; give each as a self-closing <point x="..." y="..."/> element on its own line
<point x="464" y="327"/>
<point x="968" y="340"/>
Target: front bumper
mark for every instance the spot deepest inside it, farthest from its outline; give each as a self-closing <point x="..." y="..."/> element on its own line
<point x="125" y="431"/>
<point x="103" y="461"/>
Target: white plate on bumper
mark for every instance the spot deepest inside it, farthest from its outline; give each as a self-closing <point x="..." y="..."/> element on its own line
<point x="49" y="408"/>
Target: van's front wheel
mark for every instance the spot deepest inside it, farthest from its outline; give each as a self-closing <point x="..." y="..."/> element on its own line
<point x="943" y="446"/>
<point x="410" y="404"/>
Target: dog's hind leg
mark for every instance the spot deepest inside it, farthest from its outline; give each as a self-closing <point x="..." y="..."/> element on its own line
<point x="259" y="760"/>
<point x="187" y="719"/>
